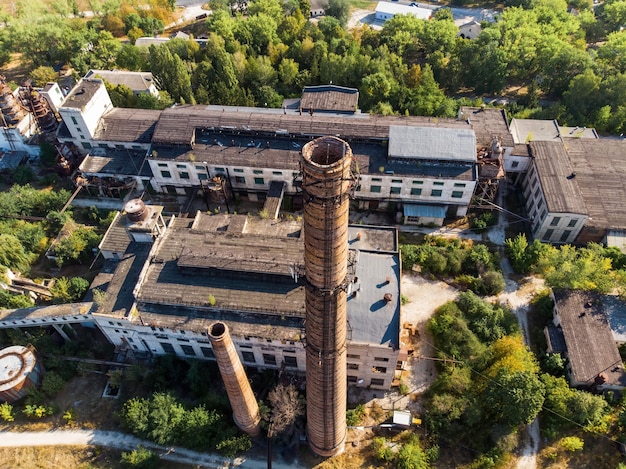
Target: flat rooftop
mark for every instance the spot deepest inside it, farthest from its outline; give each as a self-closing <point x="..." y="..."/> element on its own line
<point x="560" y="186"/>
<point x="488" y="123"/>
<point x="247" y="149"/>
<point x="254" y="270"/>
<point x="82" y="93"/>
<point x="128" y="125"/>
<point x="591" y="348"/>
<point x="600" y="167"/>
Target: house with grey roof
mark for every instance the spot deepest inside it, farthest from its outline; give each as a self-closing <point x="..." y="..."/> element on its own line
<point x="582" y="334"/>
<point x="575" y="189"/>
<point x="138" y="82"/>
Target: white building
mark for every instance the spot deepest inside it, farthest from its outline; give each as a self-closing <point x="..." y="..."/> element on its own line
<point x="387" y="10"/>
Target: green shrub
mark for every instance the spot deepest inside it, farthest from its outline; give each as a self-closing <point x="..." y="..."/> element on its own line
<point x="355" y="416"/>
<point x="234" y="445"/>
<point x="141" y="458"/>
<point x="380" y="449"/>
<point x="572" y="443"/>
<point x="6" y="412"/>
<point x="37" y="411"/>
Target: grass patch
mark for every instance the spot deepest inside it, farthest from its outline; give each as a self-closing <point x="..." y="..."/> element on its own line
<point x="79" y="457"/>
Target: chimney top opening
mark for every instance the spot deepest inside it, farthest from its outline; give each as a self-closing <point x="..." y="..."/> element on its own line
<point x="217" y="330"/>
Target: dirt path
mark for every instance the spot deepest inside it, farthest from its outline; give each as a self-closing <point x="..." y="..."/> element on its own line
<point x="518" y="296"/>
<point x="127" y="442"/>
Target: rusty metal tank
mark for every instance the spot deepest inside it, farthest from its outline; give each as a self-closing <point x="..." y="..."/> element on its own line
<point x="19" y="371"/>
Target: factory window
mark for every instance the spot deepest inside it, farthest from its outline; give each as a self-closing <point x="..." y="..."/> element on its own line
<point x="269" y="359"/>
<point x="457" y="194"/>
<point x="437" y="183"/>
<point x="207" y="352"/>
<point x="86" y="145"/>
<point x="162" y="165"/>
<point x="188" y="350"/>
<point x="181" y="166"/>
<point x="548" y="234"/>
<point x="565" y="235"/>
<point x="374" y="188"/>
<point x="381" y="359"/>
<point x="184" y="175"/>
<point x="167" y="348"/>
<point x="258" y="171"/>
<point x="572" y="223"/>
<point x="238" y="170"/>
<point x="353" y="366"/>
<point x="435" y="193"/>
<point x="514" y="164"/>
<point x="117" y="330"/>
<point x="418" y="182"/>
<point x="459" y="184"/>
<point x="377" y="180"/>
<point x="220" y="170"/>
<point x="290" y="361"/>
<point x="396" y="181"/>
<point x="353" y="357"/>
<point x="379" y="369"/>
<point x="416" y="191"/>
<point x="259" y="181"/>
<point x="202" y="176"/>
<point x="111" y="323"/>
<point x="395" y="190"/>
<point x="74" y="120"/>
<point x="248" y="357"/>
<point x="200" y="168"/>
<point x="377" y="382"/>
<point x="351" y="379"/>
<point x="555" y="221"/>
<point x="166" y="174"/>
<point x="240" y="179"/>
<point x="277" y="173"/>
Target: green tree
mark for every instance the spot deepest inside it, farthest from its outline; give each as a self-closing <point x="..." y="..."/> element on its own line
<point x="11" y="301"/>
<point x="170" y="74"/>
<point x="12" y="254"/>
<point x="517" y="250"/>
<point x="132" y="58"/>
<point x="411" y="455"/>
<point x="42" y="75"/>
<point x="70" y="290"/>
<point x="339" y="9"/>
<point x="514" y="398"/>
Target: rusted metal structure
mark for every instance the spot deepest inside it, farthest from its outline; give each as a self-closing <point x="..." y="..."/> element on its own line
<point x="19" y="371"/>
<point x="12" y="111"/>
<point x="245" y="407"/>
<point x="326" y="184"/>
<point x="37" y="104"/>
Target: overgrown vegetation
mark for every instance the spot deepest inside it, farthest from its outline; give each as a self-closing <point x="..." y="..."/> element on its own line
<point x="593" y="267"/>
<point x="472" y="266"/>
<point x="489" y="382"/>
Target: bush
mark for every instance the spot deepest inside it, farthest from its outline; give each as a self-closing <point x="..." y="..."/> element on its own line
<point x="233" y="445"/>
<point x="52" y="384"/>
<point x="355" y="416"/>
<point x="141" y="458"/>
<point x="6" y="412"/>
<point x="491" y="283"/>
<point x="380" y="449"/>
<point x="37" y="411"/>
<point x="572" y="443"/>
